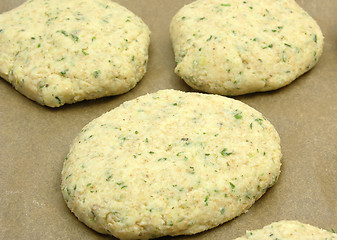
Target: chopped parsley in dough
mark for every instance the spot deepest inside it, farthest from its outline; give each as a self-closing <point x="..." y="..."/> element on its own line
<point x="237" y="47"/>
<point x="170" y="163"/>
<point x="289" y="230"/>
<point x="64" y="51"/>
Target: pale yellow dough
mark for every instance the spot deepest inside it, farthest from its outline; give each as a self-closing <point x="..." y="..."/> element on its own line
<point x="289" y="230"/>
<point x="234" y="47"/>
<point x="65" y="51"/>
<point x="170" y="163"/>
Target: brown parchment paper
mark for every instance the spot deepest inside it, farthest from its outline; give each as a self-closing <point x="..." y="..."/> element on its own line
<point x="34" y="140"/>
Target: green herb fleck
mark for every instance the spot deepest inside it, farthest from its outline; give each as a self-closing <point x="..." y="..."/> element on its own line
<point x="225" y="153"/>
<point x="39" y="45"/>
<point x="133" y="58"/>
<point x="222" y="211"/>
<point x="108" y="179"/>
<point x="232" y="186"/>
<point x="238" y="115"/>
<point x="89" y="184"/>
<point x="96" y="73"/>
<point x="58" y="99"/>
<point x="64" y="33"/>
<point x="151" y="152"/>
<point x="183" y="18"/>
<point x="75" y="37"/>
<point x="280" y="27"/>
<point x="51" y="19"/>
<point x="64" y="72"/>
<point x="178" y="154"/>
<point x="333" y="230"/>
<point x="225" y="5"/>
<point x="69" y="193"/>
<point x="210" y="37"/>
<point x="284" y="57"/>
<point x="206" y="200"/>
<point x="93" y="38"/>
<point x="270" y="46"/>
<point x="288" y="45"/>
<point x="315" y="38"/>
<point x="84" y="52"/>
<point x="162" y="159"/>
<point x="259" y="121"/>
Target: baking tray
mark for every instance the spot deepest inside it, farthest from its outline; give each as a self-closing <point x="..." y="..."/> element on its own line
<point x="35" y="139"/>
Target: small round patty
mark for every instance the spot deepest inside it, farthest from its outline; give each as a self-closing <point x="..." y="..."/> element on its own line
<point x="64" y="51"/>
<point x="237" y="47"/>
<point x="170" y="163"/>
<point x="289" y="230"/>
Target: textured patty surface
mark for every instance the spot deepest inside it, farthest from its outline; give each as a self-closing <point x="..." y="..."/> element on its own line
<point x="289" y="230"/>
<point x="237" y="47"/>
<point x="64" y="51"/>
<point x="170" y="163"/>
